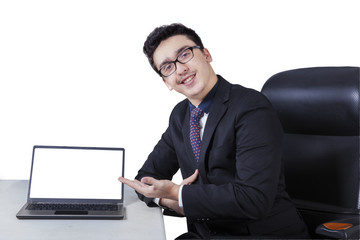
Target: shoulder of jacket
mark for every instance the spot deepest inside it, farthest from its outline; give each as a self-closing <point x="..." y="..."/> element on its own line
<point x="229" y="90"/>
<point x="179" y="110"/>
<point x="181" y="106"/>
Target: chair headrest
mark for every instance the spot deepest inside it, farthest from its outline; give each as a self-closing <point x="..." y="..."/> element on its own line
<point x="317" y="101"/>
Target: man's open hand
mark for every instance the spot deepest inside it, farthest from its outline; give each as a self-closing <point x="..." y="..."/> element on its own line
<point x="153" y="188"/>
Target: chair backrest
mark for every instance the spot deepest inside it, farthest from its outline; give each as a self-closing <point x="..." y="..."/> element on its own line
<point x="319" y="110"/>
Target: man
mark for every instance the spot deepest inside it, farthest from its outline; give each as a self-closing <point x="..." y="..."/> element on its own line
<point x="227" y="142"/>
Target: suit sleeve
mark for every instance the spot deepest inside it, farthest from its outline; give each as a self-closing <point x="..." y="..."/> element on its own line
<point x="256" y="147"/>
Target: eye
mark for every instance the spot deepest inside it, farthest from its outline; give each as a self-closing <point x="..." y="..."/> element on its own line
<point x="184" y="55"/>
<point x="167" y="68"/>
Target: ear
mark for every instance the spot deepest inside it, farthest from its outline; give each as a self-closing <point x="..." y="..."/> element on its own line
<point x="168" y="85"/>
<point x="207" y="55"/>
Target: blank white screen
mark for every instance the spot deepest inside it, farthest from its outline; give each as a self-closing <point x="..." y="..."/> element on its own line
<point x="76" y="173"/>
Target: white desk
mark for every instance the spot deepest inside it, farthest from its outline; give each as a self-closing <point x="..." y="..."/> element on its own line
<point x="140" y="222"/>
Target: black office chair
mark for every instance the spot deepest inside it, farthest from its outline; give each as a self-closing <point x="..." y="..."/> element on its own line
<point x="319" y="110"/>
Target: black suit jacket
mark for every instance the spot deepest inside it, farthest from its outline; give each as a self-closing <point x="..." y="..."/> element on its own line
<point x="240" y="189"/>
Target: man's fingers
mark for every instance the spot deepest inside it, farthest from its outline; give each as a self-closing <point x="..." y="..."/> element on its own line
<point x="195" y="175"/>
<point x="135" y="184"/>
<point x="191" y="179"/>
<point x="148" y="180"/>
<point x="124" y="180"/>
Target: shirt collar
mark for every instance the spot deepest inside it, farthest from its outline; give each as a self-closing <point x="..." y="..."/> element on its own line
<point x="206" y="103"/>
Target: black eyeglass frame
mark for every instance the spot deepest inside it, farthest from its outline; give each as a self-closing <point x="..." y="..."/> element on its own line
<point x="177" y="60"/>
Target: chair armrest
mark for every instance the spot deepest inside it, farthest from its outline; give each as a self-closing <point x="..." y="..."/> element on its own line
<point x="342" y="228"/>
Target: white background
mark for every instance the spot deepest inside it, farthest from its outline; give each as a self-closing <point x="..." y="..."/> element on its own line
<point x="73" y="73"/>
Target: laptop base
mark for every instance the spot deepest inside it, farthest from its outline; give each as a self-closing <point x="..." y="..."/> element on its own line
<point x="52" y="214"/>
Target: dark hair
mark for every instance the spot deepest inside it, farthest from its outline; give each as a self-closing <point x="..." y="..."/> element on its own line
<point x="164" y="32"/>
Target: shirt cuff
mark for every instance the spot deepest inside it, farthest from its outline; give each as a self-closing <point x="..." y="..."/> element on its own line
<point x="180" y="197"/>
<point x="157" y="201"/>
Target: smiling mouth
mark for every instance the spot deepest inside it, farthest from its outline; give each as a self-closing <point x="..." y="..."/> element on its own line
<point x="188" y="80"/>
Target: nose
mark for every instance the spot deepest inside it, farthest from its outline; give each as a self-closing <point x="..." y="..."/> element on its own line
<point x="181" y="68"/>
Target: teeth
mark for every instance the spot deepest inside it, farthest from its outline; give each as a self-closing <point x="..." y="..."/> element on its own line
<point x="189" y="79"/>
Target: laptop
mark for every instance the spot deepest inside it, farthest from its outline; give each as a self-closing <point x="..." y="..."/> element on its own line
<point x="75" y="183"/>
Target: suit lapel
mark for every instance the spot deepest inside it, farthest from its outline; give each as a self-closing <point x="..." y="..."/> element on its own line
<point x="217" y="110"/>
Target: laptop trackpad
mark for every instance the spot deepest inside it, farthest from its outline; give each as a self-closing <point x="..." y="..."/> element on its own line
<point x="71" y="212"/>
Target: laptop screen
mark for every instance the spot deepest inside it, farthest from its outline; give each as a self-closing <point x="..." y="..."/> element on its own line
<point x="76" y="173"/>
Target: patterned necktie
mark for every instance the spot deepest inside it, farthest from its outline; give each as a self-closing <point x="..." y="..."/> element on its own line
<point x="196" y="114"/>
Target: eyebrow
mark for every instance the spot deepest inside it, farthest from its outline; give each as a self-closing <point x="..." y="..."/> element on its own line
<point x="177" y="52"/>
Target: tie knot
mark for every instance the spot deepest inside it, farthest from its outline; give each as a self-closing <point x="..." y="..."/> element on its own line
<point x="197" y="113"/>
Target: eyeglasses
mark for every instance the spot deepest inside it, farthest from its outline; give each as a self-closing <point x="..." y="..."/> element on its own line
<point x="170" y="67"/>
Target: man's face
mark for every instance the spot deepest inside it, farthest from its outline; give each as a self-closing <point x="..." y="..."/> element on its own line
<point x="193" y="79"/>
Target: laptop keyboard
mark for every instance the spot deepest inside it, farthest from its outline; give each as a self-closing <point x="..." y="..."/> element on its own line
<point x="72" y="207"/>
